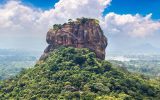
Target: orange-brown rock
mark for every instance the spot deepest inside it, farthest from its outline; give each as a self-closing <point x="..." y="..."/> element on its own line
<point x="82" y="33"/>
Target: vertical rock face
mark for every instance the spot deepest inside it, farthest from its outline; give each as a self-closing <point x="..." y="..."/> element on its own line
<point x="82" y="33"/>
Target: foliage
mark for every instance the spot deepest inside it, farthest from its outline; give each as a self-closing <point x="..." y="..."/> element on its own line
<point x="70" y="21"/>
<point x="57" y="26"/>
<point x="70" y="73"/>
<point x="97" y="21"/>
<point x="84" y="20"/>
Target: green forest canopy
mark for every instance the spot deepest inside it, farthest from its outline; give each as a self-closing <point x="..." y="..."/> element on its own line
<point x="71" y="73"/>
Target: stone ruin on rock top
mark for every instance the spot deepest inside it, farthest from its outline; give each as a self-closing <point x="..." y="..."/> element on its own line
<point x="82" y="33"/>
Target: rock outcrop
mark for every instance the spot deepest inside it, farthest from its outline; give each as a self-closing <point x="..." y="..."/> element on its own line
<point x="82" y="33"/>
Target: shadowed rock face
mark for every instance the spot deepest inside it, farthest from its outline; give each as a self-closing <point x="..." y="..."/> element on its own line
<point x="82" y="33"/>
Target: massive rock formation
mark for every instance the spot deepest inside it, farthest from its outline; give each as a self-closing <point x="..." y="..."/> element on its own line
<point x="82" y="33"/>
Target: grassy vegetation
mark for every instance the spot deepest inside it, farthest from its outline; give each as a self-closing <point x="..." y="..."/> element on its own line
<point x="71" y="73"/>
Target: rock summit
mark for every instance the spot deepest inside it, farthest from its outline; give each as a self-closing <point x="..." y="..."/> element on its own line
<point x="81" y="33"/>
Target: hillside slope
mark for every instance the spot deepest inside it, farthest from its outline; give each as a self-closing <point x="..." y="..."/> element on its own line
<point x="70" y="73"/>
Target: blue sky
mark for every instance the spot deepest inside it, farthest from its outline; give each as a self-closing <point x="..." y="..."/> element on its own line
<point x="142" y="7"/>
<point x="43" y="4"/>
<point x="134" y="21"/>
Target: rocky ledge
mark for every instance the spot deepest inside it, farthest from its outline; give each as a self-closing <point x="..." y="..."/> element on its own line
<point x="81" y="33"/>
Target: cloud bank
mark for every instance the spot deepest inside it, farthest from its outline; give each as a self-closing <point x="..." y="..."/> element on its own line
<point x="132" y="25"/>
<point x="18" y="20"/>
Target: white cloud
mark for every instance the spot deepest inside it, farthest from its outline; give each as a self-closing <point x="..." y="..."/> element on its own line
<point x="132" y="25"/>
<point x="19" y="20"/>
<point x="16" y="18"/>
<point x="66" y="9"/>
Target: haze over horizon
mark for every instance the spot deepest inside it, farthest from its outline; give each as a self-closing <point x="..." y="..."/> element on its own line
<point x="134" y="26"/>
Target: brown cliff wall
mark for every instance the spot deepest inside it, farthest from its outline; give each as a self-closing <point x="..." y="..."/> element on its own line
<point x="82" y="33"/>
